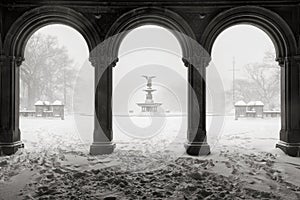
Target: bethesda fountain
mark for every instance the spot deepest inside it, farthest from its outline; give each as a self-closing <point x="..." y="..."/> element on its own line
<point x="149" y="105"/>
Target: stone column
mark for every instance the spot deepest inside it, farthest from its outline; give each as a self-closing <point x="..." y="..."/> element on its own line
<point x="103" y="135"/>
<point x="290" y="105"/>
<point x="10" y="136"/>
<point x="196" y="136"/>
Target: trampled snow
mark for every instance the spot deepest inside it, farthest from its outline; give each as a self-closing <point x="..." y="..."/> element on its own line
<point x="55" y="163"/>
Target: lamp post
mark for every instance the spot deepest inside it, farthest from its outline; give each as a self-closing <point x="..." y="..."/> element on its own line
<point x="233" y="79"/>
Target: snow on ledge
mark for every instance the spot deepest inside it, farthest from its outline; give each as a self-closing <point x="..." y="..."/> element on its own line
<point x="39" y="103"/>
<point x="255" y="103"/>
<point x="240" y="103"/>
<point x="57" y="103"/>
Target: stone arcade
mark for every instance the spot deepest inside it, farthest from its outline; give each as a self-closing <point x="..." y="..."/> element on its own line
<point x="201" y="20"/>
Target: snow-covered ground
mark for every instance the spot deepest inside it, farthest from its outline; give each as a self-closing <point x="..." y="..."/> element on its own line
<point x="55" y="164"/>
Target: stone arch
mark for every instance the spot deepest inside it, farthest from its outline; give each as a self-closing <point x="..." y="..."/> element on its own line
<point x="193" y="58"/>
<point x="19" y="33"/>
<point x="286" y="54"/>
<point x="154" y="16"/>
<point x="267" y="20"/>
<point x="13" y="48"/>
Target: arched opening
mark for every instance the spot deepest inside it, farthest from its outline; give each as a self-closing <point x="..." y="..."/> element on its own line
<point x="53" y="56"/>
<point x="244" y="56"/>
<point x="14" y="47"/>
<point x="286" y="47"/>
<point x="150" y="90"/>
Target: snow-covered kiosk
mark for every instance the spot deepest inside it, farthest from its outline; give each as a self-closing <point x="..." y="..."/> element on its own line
<point x="42" y="108"/>
<point x="255" y="109"/>
<point x="58" y="109"/>
<point x="45" y="109"/>
<point x="240" y="109"/>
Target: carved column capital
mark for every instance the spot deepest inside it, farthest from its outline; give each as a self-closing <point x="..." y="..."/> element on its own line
<point x="280" y="61"/>
<point x="102" y="62"/>
<point x="16" y="60"/>
<point x="196" y="56"/>
<point x="197" y="61"/>
<point x="186" y="62"/>
<point x="285" y="61"/>
<point x="103" y="55"/>
<point x="102" y="58"/>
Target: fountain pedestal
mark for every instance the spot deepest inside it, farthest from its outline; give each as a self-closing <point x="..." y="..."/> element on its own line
<point x="149" y="105"/>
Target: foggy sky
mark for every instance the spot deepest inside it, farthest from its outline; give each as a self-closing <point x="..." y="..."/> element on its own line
<point x="245" y="43"/>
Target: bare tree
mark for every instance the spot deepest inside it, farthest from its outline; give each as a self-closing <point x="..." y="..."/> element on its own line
<point x="44" y="70"/>
<point x="262" y="82"/>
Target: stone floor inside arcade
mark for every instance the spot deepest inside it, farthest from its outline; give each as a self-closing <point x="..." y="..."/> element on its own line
<point x="55" y="164"/>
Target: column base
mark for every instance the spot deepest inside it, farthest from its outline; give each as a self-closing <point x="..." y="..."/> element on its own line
<point x="10" y="148"/>
<point x="99" y="148"/>
<point x="291" y="149"/>
<point x="197" y="149"/>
